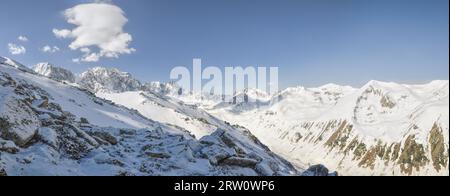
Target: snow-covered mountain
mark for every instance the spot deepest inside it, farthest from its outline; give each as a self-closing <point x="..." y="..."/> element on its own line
<point x="52" y="128"/>
<point x="379" y="129"/>
<point x="162" y="88"/>
<point x="103" y="79"/>
<point x="15" y="64"/>
<point x="54" y="72"/>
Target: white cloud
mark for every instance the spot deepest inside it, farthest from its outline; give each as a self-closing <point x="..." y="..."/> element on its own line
<point x="62" y="33"/>
<point x="91" y="57"/>
<point x="98" y="32"/>
<point x="85" y="50"/>
<point x="22" y="38"/>
<point x="16" y="49"/>
<point x="50" y="49"/>
<point x="103" y="1"/>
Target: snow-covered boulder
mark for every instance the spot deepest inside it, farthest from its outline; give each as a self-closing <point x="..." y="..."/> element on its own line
<point x="22" y="122"/>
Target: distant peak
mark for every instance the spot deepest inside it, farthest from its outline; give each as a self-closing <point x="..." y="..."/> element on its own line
<point x="108" y="69"/>
<point x="108" y="79"/>
<point x="54" y="72"/>
<point x="333" y="86"/>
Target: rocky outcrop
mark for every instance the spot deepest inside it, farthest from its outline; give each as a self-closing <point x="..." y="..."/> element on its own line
<point x="18" y="121"/>
<point x="104" y="138"/>
<point x="241" y="162"/>
<point x="3" y="173"/>
<point x="437" y="143"/>
<point x="317" y="170"/>
<point x="8" y="146"/>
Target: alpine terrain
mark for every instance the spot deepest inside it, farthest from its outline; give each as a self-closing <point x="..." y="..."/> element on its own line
<point x="105" y="122"/>
<point x="53" y="124"/>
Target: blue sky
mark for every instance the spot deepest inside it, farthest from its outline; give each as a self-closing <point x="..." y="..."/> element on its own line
<point x="314" y="42"/>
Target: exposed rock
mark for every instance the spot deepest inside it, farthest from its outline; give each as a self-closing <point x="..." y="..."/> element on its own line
<point x="340" y="136"/>
<point x="8" y="146"/>
<point x="106" y="137"/>
<point x="158" y="155"/>
<point x="110" y="162"/>
<point x="84" y="121"/>
<point x="437" y="143"/>
<point x="264" y="169"/>
<point x="4" y="125"/>
<point x="53" y="72"/>
<point x="241" y="162"/>
<point x="43" y="103"/>
<point x="80" y="133"/>
<point x="65" y="144"/>
<point x="21" y="120"/>
<point x="71" y="144"/>
<point x="127" y="132"/>
<point x="386" y="102"/>
<point x="3" y="173"/>
<point x="111" y="80"/>
<point x="316" y="170"/>
<point x="412" y="156"/>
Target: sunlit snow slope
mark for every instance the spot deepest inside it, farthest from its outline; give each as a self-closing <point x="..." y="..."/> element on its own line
<point x="379" y="129"/>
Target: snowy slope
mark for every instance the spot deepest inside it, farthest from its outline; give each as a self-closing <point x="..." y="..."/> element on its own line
<point x="50" y="128"/>
<point x="167" y="110"/>
<point x="380" y="129"/>
<point x="12" y="63"/>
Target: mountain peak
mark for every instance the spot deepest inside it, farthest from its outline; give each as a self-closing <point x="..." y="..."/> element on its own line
<point x="108" y="79"/>
<point x="56" y="73"/>
<point x="15" y="64"/>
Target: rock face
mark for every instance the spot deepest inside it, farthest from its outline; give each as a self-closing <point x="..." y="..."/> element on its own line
<point x="55" y="73"/>
<point x="110" y="80"/>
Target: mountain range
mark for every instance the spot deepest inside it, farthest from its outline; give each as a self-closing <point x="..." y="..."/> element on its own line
<point x="52" y="127"/>
<point x="105" y="122"/>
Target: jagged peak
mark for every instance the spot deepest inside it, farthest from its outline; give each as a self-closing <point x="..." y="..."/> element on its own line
<point x="108" y="79"/>
<point x="54" y="72"/>
<point x="100" y="69"/>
